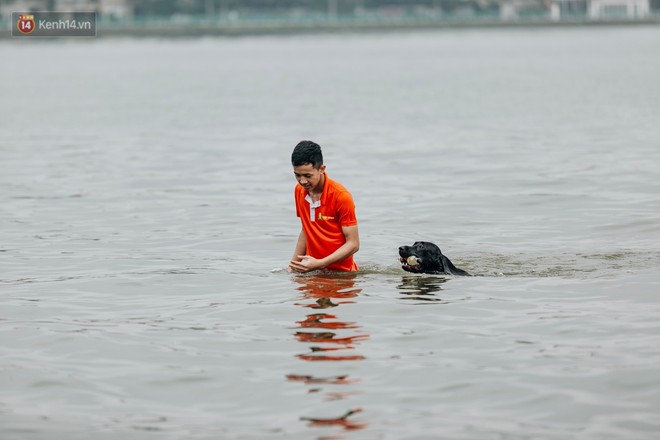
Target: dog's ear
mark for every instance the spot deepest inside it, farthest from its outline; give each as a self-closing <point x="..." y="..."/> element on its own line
<point x="445" y="264"/>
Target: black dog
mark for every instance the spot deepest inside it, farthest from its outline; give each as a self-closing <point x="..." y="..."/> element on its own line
<point x="425" y="257"/>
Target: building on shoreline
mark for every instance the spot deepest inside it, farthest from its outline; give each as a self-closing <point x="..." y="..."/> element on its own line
<point x="105" y="8"/>
<point x="308" y="13"/>
<point x="599" y="9"/>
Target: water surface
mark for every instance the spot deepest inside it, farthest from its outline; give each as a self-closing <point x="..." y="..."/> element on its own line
<point x="148" y="214"/>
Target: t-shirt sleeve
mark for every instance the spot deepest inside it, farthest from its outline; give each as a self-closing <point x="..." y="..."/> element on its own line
<point x="346" y="210"/>
<point x="295" y="199"/>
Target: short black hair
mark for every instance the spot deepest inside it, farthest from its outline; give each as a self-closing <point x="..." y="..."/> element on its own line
<point x="307" y="152"/>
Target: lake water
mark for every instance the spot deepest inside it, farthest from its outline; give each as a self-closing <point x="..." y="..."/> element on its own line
<point x="147" y="215"/>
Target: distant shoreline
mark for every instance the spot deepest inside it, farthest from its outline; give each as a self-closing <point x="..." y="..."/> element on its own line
<point x="225" y="28"/>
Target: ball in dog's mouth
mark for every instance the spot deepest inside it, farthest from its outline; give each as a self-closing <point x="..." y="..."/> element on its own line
<point x="411" y="262"/>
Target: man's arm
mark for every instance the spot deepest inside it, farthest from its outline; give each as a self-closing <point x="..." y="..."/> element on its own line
<point x="307" y="263"/>
<point x="301" y="247"/>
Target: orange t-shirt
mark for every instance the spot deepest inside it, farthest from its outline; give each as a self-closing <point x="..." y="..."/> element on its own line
<point x="322" y="221"/>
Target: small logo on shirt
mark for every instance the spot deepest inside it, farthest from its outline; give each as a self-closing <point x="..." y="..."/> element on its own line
<point x="325" y="217"/>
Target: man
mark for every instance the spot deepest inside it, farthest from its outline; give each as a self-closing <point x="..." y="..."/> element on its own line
<point x="329" y="235"/>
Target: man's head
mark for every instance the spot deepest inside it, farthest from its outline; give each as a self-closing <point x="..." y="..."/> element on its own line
<point x="308" y="167"/>
<point x="307" y="152"/>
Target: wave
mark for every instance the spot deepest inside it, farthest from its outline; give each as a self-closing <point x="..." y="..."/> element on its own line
<point x="561" y="265"/>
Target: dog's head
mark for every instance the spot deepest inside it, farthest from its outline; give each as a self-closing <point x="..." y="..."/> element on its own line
<point x="421" y="257"/>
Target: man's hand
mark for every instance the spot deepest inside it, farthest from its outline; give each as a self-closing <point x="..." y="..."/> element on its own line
<point x="305" y="264"/>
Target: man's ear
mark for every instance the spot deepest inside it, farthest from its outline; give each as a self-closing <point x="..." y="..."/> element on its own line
<point x="322" y="168"/>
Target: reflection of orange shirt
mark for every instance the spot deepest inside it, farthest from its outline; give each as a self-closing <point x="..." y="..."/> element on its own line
<point x="322" y="221"/>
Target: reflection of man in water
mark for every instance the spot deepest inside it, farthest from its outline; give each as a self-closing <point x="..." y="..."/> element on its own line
<point x="329" y="235"/>
<point x="329" y="291"/>
<point x="338" y="286"/>
<point x="329" y="339"/>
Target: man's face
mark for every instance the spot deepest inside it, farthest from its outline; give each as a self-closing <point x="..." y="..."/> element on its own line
<point x="309" y="177"/>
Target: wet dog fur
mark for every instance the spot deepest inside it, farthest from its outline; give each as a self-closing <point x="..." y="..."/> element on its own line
<point x="427" y="259"/>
